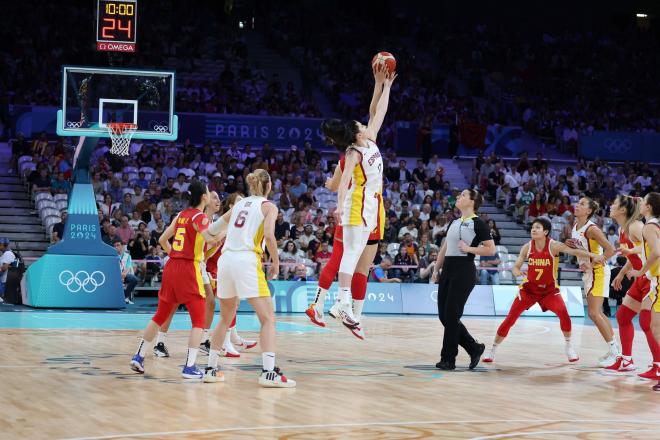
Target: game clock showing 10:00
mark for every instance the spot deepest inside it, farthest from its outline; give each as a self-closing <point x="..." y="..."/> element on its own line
<point x="116" y="25"/>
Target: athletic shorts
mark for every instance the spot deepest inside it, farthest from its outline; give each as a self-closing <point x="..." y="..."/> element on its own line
<point x="182" y="281"/>
<point x="374" y="237"/>
<point x="547" y="300"/>
<point x="241" y="274"/>
<point x="213" y="280"/>
<point x="639" y="289"/>
<point x="597" y="281"/>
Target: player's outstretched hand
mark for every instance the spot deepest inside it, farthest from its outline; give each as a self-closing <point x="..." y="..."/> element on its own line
<point x="616" y="283"/>
<point x="380" y="71"/>
<point x="389" y="78"/>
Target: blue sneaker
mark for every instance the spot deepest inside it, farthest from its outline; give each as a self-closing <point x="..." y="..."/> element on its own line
<point x="137" y="364"/>
<point x="192" y="372"/>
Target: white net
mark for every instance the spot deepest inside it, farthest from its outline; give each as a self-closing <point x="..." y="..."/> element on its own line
<point x="121" y="134"/>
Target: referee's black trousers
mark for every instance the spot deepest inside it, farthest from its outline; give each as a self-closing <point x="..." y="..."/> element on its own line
<point x="455" y="283"/>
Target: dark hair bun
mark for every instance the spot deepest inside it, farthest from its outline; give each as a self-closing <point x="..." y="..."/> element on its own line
<point x="339" y="133"/>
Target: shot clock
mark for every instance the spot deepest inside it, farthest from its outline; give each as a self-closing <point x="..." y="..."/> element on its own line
<point x="116" y="25"/>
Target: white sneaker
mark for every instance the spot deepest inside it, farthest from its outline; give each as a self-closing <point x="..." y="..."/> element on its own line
<point x="627" y="365"/>
<point x="607" y="360"/>
<point x="571" y="353"/>
<point x="229" y="351"/>
<point x="315" y="315"/>
<point x="213" y="375"/>
<point x="358" y="331"/>
<point x="489" y="355"/>
<point x="344" y="312"/>
<point x="128" y="301"/>
<point x="245" y="344"/>
<point x="275" y="379"/>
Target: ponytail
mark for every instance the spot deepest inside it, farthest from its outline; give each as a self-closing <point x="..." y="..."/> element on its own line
<point x="258" y="181"/>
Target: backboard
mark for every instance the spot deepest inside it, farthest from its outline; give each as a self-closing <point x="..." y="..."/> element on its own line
<point x="92" y="97"/>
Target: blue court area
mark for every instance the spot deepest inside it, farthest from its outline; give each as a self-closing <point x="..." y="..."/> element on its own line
<point x="132" y="318"/>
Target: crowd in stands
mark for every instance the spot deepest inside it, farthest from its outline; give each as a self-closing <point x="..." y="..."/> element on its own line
<point x="39" y="48"/>
<point x="139" y="195"/>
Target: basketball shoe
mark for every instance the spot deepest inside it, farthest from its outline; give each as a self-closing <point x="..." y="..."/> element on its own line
<point x="571" y="354"/>
<point x="315" y="315"/>
<point x="205" y="347"/>
<point x="489" y="356"/>
<point x="228" y="350"/>
<point x="238" y="342"/>
<point x="358" y="331"/>
<point x="344" y="312"/>
<point x="653" y="373"/>
<point x="622" y="364"/>
<point x="275" y="379"/>
<point x="607" y="360"/>
<point x="192" y="372"/>
<point x="213" y="375"/>
<point x="160" y="350"/>
<point x="137" y="364"/>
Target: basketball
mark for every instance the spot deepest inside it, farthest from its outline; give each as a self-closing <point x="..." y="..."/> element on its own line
<point x="384" y="58"/>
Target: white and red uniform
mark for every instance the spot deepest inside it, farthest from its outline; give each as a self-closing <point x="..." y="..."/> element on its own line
<point x="641" y="286"/>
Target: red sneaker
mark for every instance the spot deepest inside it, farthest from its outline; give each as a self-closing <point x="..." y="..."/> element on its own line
<point x="627" y="365"/>
<point x="616" y="365"/>
<point x="315" y="316"/>
<point x="653" y="373"/>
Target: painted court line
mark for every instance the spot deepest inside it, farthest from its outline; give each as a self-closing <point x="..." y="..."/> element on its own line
<point x="401" y="423"/>
<point x="576" y="431"/>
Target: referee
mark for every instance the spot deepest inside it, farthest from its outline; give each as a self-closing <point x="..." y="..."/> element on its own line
<point x="458" y="277"/>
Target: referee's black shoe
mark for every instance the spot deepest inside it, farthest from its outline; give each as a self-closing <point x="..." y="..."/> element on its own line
<point x="476" y="356"/>
<point x="446" y="365"/>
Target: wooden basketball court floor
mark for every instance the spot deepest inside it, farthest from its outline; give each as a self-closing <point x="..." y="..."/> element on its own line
<point x="66" y="376"/>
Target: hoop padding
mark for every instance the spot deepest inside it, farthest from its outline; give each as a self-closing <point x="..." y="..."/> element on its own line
<point x="121" y="134"/>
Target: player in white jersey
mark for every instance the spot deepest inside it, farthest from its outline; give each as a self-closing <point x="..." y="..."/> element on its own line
<point x="359" y="196"/>
<point x="596" y="276"/>
<point x="240" y="274"/>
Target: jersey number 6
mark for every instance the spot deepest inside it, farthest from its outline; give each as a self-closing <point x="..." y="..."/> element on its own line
<point x="240" y="219"/>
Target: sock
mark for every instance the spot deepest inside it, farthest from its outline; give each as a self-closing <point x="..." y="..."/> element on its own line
<point x="320" y="297"/>
<point x="567" y="339"/>
<point x="192" y="356"/>
<point x="142" y="348"/>
<point x="213" y="358"/>
<point x="268" y="359"/>
<point x="205" y="335"/>
<point x="357" y="309"/>
<point x="227" y="339"/>
<point x="612" y="345"/>
<point x="344" y="295"/>
<point x="161" y="337"/>
<point x="624" y="318"/>
<point x="645" y="324"/>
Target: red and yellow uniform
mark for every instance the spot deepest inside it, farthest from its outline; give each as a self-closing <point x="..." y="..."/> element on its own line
<point x="182" y="275"/>
<point x="641" y="286"/>
<point x="540" y="286"/>
<point x="212" y="255"/>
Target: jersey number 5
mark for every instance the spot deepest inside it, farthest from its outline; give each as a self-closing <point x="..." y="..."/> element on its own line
<point x="240" y="219"/>
<point x="179" y="237"/>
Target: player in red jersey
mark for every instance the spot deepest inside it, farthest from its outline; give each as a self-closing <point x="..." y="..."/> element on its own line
<point x="540" y="283"/>
<point x="625" y="211"/>
<point x="331" y="268"/>
<point x="182" y="278"/>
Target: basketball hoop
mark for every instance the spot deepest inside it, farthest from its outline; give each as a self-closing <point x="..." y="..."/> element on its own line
<point x="121" y="134"/>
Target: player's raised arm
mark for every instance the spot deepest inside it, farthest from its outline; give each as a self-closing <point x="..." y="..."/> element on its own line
<point x="379" y="80"/>
<point x="557" y="247"/>
<point x="381" y="108"/>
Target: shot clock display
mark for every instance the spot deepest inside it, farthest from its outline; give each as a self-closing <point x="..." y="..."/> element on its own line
<point x="116" y="25"/>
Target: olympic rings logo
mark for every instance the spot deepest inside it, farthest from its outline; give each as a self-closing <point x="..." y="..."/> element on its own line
<point x="159" y="126"/>
<point x="617" y="145"/>
<point x="71" y="124"/>
<point x="82" y="280"/>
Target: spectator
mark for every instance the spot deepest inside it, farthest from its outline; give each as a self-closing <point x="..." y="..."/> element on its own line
<point x="494" y="232"/>
<point x="181" y="183"/>
<point x="109" y="234"/>
<point x="125" y="232"/>
<point x="43" y="182"/>
<point x="126" y="266"/>
<point x="135" y="221"/>
<point x="300" y="273"/>
<point x="408" y="229"/>
<point x="127" y="205"/>
<point x="487" y="277"/>
<point x="379" y="272"/>
<point x="7" y="258"/>
<point x="289" y="256"/>
<point x="58" y="228"/>
<point x="306" y="237"/>
<point x="405" y="258"/>
<point x="426" y="266"/>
